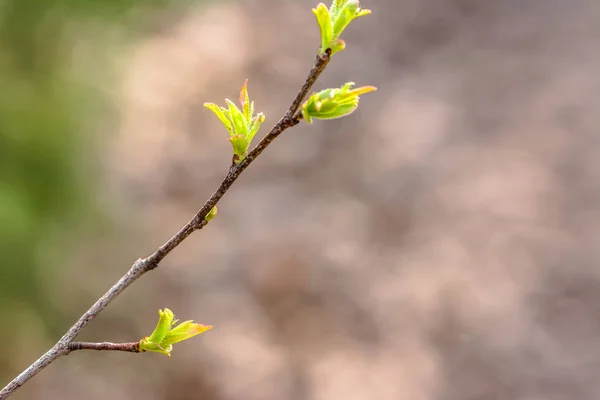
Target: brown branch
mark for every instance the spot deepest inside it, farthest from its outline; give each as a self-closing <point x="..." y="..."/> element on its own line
<point x="133" y="347"/>
<point x="65" y="345"/>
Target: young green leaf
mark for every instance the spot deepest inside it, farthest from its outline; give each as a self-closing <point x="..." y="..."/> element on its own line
<point x="333" y="103"/>
<point x="325" y="25"/>
<point x="334" y="20"/>
<point x="336" y="5"/>
<point x="165" y="321"/>
<point x="255" y="125"/>
<point x="237" y="118"/>
<point x="220" y="113"/>
<point x="245" y="101"/>
<point x="164" y="335"/>
<point x="345" y="15"/>
<point x="242" y="125"/>
<point x="184" y="331"/>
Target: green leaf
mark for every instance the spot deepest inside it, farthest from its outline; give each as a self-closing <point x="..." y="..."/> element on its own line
<point x="164" y="335"/>
<point x="344" y="17"/>
<point x="256" y="123"/>
<point x="251" y="108"/>
<point x="184" y="331"/>
<point x="221" y="115"/>
<point x="165" y="321"/>
<point x="237" y="118"/>
<point x="333" y="103"/>
<point x="335" y="7"/>
<point x="325" y="25"/>
<point x="245" y="101"/>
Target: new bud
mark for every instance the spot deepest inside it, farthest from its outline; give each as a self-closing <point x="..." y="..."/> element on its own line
<point x="333" y="103"/>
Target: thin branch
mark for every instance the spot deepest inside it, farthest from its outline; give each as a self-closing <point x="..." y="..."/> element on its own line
<point x="320" y="64"/>
<point x="133" y="347"/>
<point x="141" y="266"/>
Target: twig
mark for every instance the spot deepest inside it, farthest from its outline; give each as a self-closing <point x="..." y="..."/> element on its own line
<point x="133" y="347"/>
<point x="65" y="345"/>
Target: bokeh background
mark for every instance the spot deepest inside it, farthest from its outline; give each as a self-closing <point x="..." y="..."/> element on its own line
<point x="441" y="243"/>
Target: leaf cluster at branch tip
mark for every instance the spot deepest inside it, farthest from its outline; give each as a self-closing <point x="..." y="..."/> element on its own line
<point x="334" y="20"/>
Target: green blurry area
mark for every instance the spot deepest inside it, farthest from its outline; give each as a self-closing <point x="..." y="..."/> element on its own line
<point x="46" y="190"/>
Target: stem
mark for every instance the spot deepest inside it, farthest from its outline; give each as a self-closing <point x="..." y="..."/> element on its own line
<point x="65" y="345"/>
<point x="133" y="347"/>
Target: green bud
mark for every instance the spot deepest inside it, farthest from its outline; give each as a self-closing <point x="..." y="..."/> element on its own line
<point x="164" y="335"/>
<point x="334" y="20"/>
<point x="211" y="214"/>
<point x="241" y="124"/>
<point x="333" y="103"/>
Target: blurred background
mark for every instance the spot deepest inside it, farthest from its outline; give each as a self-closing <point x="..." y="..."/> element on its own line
<point x="441" y="243"/>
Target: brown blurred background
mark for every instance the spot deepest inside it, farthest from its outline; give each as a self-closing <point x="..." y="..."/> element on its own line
<point x="441" y="243"/>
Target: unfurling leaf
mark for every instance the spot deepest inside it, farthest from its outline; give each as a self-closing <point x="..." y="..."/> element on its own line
<point x="255" y="125"/>
<point x="165" y="335"/>
<point x="334" y="20"/>
<point x="241" y="124"/>
<point x="220" y="113"/>
<point x="165" y="320"/>
<point x="325" y="25"/>
<point x="245" y="100"/>
<point x="184" y="331"/>
<point x="333" y="103"/>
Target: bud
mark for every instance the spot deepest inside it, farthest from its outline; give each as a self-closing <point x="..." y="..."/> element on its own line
<point x="211" y="214"/>
<point x="334" y="20"/>
<point x="333" y="103"/>
<point x="164" y="335"/>
<point x="241" y="124"/>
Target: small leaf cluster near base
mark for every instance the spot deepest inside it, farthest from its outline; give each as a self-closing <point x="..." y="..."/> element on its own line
<point x="165" y="335"/>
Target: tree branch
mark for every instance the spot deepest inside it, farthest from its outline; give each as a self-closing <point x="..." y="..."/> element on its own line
<point x="65" y="345"/>
<point x="133" y="347"/>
